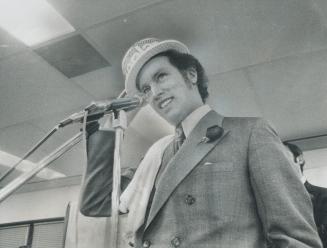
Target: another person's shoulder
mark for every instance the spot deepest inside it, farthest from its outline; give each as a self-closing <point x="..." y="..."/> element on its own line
<point x="316" y="189"/>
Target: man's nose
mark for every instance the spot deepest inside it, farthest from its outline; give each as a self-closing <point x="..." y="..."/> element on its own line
<point x="156" y="92"/>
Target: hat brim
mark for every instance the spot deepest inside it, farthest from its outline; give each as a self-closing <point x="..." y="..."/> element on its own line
<point x="130" y="80"/>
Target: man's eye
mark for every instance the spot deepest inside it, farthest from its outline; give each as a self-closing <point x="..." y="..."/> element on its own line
<point x="146" y="89"/>
<point x="161" y="76"/>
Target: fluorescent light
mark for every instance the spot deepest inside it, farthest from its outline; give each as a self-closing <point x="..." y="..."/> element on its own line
<point x="8" y="160"/>
<point x="32" y="21"/>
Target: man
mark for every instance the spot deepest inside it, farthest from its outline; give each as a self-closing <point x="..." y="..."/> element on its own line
<point x="318" y="194"/>
<point x="220" y="182"/>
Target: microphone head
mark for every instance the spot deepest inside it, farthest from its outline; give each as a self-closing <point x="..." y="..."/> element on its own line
<point x="126" y="103"/>
<point x="98" y="105"/>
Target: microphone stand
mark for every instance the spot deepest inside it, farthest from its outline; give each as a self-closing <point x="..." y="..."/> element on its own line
<point x="119" y="125"/>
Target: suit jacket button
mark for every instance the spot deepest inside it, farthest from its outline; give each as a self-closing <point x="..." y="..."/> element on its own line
<point x="146" y="244"/>
<point x="176" y="242"/>
<point x="189" y="200"/>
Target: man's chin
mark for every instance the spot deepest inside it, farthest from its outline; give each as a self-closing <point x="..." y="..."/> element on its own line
<point x="171" y="115"/>
<point x="167" y="117"/>
<point x="174" y="120"/>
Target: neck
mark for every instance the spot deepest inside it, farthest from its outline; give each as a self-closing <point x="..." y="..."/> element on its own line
<point x="191" y="110"/>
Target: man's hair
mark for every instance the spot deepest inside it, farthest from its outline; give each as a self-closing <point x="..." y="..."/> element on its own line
<point x="184" y="61"/>
<point x="295" y="150"/>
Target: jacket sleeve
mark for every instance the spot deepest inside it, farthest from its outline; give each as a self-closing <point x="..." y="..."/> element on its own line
<point x="96" y="189"/>
<point x="284" y="205"/>
<point x="322" y="228"/>
<point x="322" y="214"/>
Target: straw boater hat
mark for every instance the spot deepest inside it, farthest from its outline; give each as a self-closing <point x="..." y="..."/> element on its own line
<point x="139" y="53"/>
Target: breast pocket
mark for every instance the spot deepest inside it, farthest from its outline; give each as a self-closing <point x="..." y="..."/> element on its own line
<point x="218" y="166"/>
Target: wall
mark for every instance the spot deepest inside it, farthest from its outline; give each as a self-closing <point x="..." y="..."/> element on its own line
<point x="42" y="204"/>
<point x="316" y="166"/>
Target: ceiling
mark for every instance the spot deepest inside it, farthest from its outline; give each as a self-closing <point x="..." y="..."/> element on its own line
<point x="264" y="58"/>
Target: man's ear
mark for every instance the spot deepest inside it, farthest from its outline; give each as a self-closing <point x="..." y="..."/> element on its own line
<point x="192" y="75"/>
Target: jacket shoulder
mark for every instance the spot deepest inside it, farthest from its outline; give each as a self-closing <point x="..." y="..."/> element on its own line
<point x="252" y="128"/>
<point x="244" y="122"/>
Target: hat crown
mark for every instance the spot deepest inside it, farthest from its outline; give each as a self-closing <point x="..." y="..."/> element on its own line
<point x="141" y="52"/>
<point x="136" y="51"/>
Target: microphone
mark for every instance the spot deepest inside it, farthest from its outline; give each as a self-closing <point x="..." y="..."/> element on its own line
<point x="96" y="110"/>
<point x="125" y="103"/>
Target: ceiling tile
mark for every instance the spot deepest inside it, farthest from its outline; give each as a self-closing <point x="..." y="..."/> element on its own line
<point x="48" y="120"/>
<point x="18" y="139"/>
<point x="181" y="20"/>
<point x="292" y="93"/>
<point x="254" y="31"/>
<point x="224" y="35"/>
<point x="105" y="83"/>
<point x="30" y="88"/>
<point x="72" y="162"/>
<point x="83" y="14"/>
<point x="10" y="177"/>
<point x="72" y="56"/>
<point x="321" y="7"/>
<point x="231" y="94"/>
<point x="9" y="45"/>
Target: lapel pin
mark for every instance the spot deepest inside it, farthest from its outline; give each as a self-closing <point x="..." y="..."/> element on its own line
<point x="204" y="140"/>
<point x="213" y="133"/>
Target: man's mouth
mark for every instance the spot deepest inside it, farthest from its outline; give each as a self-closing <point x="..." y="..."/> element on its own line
<point x="165" y="102"/>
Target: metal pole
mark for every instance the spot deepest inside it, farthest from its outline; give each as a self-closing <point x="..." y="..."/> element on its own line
<point x="119" y="124"/>
<point x="33" y="149"/>
<point x="20" y="180"/>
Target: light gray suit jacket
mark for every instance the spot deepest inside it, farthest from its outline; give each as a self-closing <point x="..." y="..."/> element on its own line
<point x="238" y="191"/>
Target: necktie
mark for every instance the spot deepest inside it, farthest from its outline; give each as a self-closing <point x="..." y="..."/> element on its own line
<point x="171" y="151"/>
<point x="179" y="138"/>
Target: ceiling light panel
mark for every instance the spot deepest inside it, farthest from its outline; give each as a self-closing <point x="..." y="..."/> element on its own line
<point x="33" y="21"/>
<point x="72" y="56"/>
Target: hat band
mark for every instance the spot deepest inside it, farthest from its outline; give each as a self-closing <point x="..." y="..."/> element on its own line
<point x="136" y="52"/>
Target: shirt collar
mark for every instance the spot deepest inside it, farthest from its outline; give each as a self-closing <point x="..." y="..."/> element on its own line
<point x="193" y="118"/>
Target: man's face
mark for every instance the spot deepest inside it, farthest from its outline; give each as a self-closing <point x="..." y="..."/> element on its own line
<point x="300" y="160"/>
<point x="296" y="162"/>
<point x="170" y="94"/>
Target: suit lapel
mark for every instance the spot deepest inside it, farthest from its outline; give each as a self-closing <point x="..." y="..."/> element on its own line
<point x="188" y="156"/>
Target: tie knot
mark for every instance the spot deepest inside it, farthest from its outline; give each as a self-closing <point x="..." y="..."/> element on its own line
<point x="179" y="138"/>
<point x="179" y="132"/>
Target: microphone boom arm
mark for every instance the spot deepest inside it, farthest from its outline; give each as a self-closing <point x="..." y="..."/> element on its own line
<point x="120" y="124"/>
<point x="23" y="178"/>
